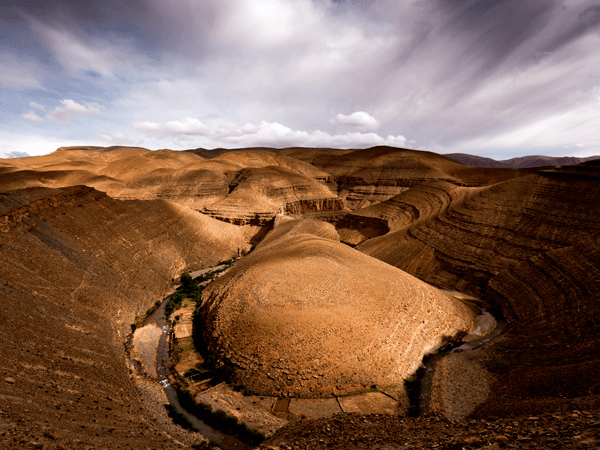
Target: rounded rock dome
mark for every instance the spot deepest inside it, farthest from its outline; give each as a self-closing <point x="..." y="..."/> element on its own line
<point x="305" y="315"/>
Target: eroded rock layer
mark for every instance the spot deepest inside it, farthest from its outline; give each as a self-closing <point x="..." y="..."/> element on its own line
<point x="76" y="267"/>
<point x="306" y="315"/>
<point x="373" y="175"/>
<point x="529" y="245"/>
<point x="241" y="187"/>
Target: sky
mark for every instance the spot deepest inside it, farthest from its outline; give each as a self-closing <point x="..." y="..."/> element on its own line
<point x="495" y="78"/>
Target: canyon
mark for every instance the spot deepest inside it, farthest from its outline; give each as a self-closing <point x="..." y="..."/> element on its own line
<point x="353" y="258"/>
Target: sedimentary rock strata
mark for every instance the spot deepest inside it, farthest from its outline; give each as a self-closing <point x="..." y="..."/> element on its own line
<point x="528" y="245"/>
<point x="305" y="315"/>
<point x="76" y="267"/>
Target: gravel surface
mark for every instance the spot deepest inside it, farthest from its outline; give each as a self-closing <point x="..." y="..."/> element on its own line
<point x="573" y="430"/>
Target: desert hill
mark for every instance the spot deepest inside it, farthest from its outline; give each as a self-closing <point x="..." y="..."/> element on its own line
<point x="239" y="187"/>
<point x="529" y="245"/>
<point x="522" y="162"/>
<point x="91" y="237"/>
<point x="305" y="315"/>
<point x="76" y="267"/>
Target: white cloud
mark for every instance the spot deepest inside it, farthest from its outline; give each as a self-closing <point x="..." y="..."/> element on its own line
<point x="32" y="117"/>
<point x="359" y="119"/>
<point x="70" y="107"/>
<point x="35" y="105"/>
<point x="80" y="52"/>
<point x="20" y="73"/>
<point x="114" y="138"/>
<point x="265" y="134"/>
<point x="36" y="144"/>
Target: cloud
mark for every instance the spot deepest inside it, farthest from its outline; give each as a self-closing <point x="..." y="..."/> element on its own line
<point x="69" y="108"/>
<point x="265" y="134"/>
<point x="15" y="154"/>
<point x="359" y="119"/>
<point x="20" y="72"/>
<point x="35" y="105"/>
<point x="32" y="117"/>
<point x="450" y="74"/>
<point x="36" y="144"/>
<point x="114" y="138"/>
<point x="75" y="50"/>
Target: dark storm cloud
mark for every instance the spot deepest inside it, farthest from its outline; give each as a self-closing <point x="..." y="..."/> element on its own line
<point x="455" y="75"/>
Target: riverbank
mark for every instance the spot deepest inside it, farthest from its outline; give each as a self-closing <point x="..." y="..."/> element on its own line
<point x="168" y="366"/>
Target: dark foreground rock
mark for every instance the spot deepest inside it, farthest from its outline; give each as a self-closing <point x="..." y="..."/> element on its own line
<point x="572" y="430"/>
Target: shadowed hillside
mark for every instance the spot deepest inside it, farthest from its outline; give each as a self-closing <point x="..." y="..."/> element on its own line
<point x="529" y="245"/>
<point x="304" y="315"/>
<point x="91" y="237"/>
<point x="76" y="268"/>
<point x="519" y="163"/>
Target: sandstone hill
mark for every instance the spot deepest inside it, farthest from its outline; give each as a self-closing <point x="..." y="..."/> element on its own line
<point x="373" y="175"/>
<point x="239" y="187"/>
<point x="305" y="315"/>
<point x="522" y="162"/>
<point x="76" y="267"/>
<point x="530" y="246"/>
<point x="91" y="237"/>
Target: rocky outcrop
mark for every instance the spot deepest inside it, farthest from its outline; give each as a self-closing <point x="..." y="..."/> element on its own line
<point x="529" y="246"/>
<point x="76" y="268"/>
<point x="259" y="194"/>
<point x="365" y="177"/>
<point x="304" y="315"/>
<point x="419" y="203"/>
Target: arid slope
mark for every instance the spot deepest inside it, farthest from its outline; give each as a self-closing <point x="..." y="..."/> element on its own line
<point x="305" y="315"/>
<point x="76" y="267"/>
<point x="530" y="246"/>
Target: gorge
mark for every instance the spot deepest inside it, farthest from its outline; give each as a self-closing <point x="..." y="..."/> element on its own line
<point x="354" y="252"/>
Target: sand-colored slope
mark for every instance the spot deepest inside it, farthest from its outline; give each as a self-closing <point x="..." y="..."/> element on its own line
<point x="238" y="186"/>
<point x="497" y="228"/>
<point x="420" y="203"/>
<point x="259" y="194"/>
<point x="76" y="267"/>
<point x="376" y="174"/>
<point x="530" y="246"/>
<point x="305" y="315"/>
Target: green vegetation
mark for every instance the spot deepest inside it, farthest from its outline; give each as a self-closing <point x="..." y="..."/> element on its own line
<point x="412" y="386"/>
<point x="179" y="418"/>
<point x="186" y="280"/>
<point x="193" y="291"/>
<point x="196" y="375"/>
<point x="219" y="419"/>
<point x="190" y="288"/>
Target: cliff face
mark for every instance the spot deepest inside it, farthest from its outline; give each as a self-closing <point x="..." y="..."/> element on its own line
<point x="417" y="204"/>
<point x="373" y="175"/>
<point x="530" y="246"/>
<point x="305" y="315"/>
<point x="76" y="267"/>
<point x="258" y="194"/>
<point x="239" y="187"/>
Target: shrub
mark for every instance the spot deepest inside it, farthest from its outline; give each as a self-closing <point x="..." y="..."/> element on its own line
<point x="219" y="419"/>
<point x="179" y="418"/>
<point x="186" y="280"/>
<point x="196" y="375"/>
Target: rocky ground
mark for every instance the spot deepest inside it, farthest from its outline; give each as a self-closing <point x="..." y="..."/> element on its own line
<point x="573" y="430"/>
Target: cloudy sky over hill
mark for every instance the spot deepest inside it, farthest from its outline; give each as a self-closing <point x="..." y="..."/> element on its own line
<point x="498" y="78"/>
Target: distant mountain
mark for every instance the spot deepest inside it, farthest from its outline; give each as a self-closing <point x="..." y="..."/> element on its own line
<point x="519" y="163"/>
